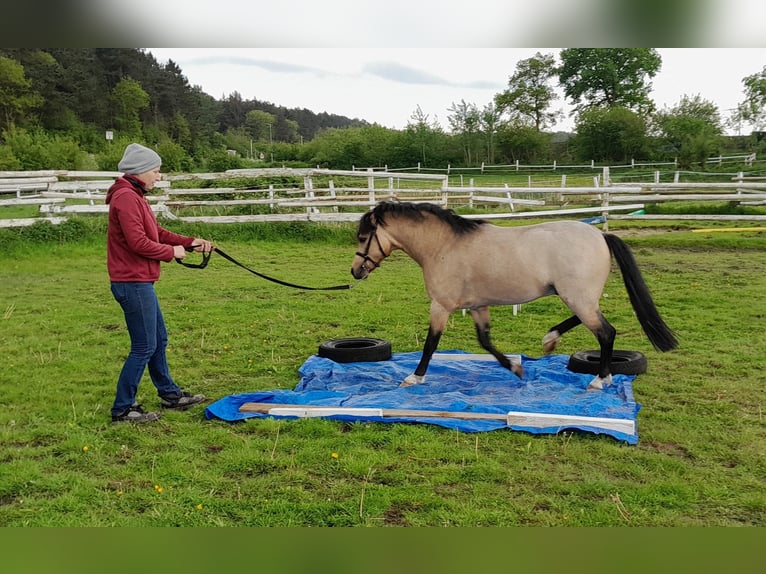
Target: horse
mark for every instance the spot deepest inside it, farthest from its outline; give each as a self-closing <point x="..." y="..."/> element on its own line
<point x="473" y="264"/>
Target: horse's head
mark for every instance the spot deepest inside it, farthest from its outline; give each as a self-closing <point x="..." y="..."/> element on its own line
<point x="369" y="252"/>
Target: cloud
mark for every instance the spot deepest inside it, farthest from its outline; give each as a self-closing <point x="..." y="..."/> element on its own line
<point x="268" y="65"/>
<point x="395" y="72"/>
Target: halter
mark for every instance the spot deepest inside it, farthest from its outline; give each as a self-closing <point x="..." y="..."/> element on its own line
<point x="366" y="257"/>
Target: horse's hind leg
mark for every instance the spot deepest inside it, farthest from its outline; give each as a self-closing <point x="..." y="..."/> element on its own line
<point x="552" y="337"/>
<point x="481" y="319"/>
<point x="605" y="334"/>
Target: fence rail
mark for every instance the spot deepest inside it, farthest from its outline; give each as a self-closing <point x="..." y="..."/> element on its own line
<point x="57" y="193"/>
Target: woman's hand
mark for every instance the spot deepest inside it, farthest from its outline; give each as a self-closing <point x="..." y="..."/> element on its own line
<point x="202" y="245"/>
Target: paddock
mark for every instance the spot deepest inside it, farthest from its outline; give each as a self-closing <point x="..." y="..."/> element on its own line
<point x="698" y="462"/>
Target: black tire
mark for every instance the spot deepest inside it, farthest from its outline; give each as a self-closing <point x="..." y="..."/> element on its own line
<point x="355" y="350"/>
<point x="623" y="362"/>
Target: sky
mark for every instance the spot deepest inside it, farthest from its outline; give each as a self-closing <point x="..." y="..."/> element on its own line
<point x="387" y="85"/>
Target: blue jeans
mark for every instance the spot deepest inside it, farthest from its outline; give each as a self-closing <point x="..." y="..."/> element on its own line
<point x="148" y="341"/>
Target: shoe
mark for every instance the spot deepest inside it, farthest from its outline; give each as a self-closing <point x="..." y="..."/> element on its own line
<point x="183" y="402"/>
<point x="135" y="414"/>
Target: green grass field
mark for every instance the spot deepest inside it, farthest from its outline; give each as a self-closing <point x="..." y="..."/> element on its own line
<point x="700" y="459"/>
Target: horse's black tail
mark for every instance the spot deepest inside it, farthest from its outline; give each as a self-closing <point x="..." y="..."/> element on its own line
<point x="656" y="330"/>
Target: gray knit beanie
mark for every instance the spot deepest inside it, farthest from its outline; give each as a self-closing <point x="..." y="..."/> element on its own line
<point x="138" y="159"/>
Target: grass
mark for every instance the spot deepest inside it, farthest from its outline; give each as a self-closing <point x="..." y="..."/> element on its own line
<point x="700" y="459"/>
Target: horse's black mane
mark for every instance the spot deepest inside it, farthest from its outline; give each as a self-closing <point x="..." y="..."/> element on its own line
<point x="416" y="212"/>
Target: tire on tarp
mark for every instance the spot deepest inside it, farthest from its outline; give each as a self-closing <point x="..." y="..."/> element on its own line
<point x="623" y="362"/>
<point x="355" y="350"/>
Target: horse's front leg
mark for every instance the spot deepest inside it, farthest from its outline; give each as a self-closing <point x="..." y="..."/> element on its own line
<point x="439" y="316"/>
<point x="481" y="319"/>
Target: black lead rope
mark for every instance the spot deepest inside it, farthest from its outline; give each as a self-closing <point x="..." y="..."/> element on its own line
<point x="206" y="259"/>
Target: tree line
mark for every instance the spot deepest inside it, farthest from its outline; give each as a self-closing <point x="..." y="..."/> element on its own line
<point x="59" y="105"/>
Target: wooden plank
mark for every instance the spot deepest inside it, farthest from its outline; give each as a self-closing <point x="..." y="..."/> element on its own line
<point x="689" y="197"/>
<point x="30" y="201"/>
<point x="27" y="221"/>
<point x="84" y="208"/>
<point x="219" y="202"/>
<point x="325" y="203"/>
<point x="729" y="230"/>
<point x="693" y="217"/>
<point x="560" y="190"/>
<point x="273" y="217"/>
<point x="212" y="191"/>
<point x="558" y="212"/>
<point x="505" y="200"/>
<point x="546" y="420"/>
<point x="511" y="418"/>
<point x="692" y="185"/>
<point x="26" y="180"/>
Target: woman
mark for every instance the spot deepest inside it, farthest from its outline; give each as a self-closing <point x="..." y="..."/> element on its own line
<point x="135" y="246"/>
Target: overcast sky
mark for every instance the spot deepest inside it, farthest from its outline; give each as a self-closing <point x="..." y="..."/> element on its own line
<point x="386" y="85"/>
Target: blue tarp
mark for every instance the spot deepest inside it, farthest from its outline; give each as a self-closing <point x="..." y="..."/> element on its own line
<point x="547" y="387"/>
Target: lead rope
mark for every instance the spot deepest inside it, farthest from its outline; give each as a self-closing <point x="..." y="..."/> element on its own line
<point x="206" y="259"/>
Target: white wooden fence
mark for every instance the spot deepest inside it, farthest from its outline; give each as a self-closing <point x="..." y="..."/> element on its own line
<point x="59" y="193"/>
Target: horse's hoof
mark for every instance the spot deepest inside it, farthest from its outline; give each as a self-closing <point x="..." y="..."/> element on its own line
<point x="517" y="370"/>
<point x="598" y="383"/>
<point x="412" y="380"/>
<point x="550" y="341"/>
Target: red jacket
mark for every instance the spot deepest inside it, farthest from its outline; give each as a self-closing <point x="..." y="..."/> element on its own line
<point x="135" y="242"/>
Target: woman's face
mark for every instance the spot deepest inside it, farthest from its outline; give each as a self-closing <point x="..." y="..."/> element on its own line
<point x="149" y="178"/>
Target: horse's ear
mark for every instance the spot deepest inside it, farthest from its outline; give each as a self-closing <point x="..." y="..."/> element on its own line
<point x="372" y="217"/>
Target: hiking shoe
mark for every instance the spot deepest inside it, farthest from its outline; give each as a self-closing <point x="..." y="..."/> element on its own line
<point x="135" y="414"/>
<point x="183" y="402"/>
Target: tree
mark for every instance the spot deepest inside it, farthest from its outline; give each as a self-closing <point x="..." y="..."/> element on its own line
<point x="260" y="125"/>
<point x="422" y="134"/>
<point x="16" y="95"/>
<point x="529" y="95"/>
<point x="609" y="77"/>
<point x="490" y="122"/>
<point x="691" y="129"/>
<point x="614" y="134"/>
<point x="465" y="122"/>
<point x="129" y="100"/>
<point x="753" y="108"/>
<point x="523" y="143"/>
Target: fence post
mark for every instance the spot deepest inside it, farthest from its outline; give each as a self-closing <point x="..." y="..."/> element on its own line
<point x="510" y="199"/>
<point x="606" y="179"/>
<point x="605" y="207"/>
<point x="657" y="176"/>
<point x="308" y="187"/>
<point x="331" y="187"/>
<point x="371" y="185"/>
